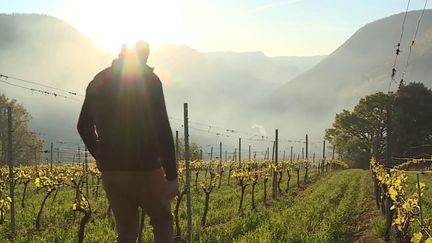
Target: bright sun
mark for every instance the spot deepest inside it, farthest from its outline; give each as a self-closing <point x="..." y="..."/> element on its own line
<point x="112" y="23"/>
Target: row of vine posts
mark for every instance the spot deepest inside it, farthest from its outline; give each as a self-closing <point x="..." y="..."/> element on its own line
<point x="51" y="186"/>
<point x="186" y="191"/>
<point x="275" y="182"/>
<point x="382" y="193"/>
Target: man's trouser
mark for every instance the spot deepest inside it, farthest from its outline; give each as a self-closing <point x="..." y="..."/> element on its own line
<point x="127" y="191"/>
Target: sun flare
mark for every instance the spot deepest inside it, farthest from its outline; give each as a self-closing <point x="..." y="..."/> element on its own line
<point x="113" y="23"/>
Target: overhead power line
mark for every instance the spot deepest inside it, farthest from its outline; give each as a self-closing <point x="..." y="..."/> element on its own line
<point x="398" y="47"/>
<point x="224" y="132"/>
<point x="39" y="84"/>
<point x="231" y="133"/>
<point x="44" y="92"/>
<point x="413" y="41"/>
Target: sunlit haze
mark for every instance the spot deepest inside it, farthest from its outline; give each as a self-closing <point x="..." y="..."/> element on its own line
<point x="290" y="27"/>
<point x="111" y="23"/>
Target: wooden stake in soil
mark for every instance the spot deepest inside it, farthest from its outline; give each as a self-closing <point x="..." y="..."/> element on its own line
<point x="187" y="167"/>
<point x="11" y="172"/>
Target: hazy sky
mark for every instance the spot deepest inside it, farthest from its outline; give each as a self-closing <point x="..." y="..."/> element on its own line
<point x="284" y="27"/>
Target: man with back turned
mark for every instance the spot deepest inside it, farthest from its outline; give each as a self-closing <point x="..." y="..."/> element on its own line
<point x="125" y="126"/>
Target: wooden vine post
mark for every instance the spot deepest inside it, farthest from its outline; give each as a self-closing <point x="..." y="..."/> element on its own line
<point x="177" y="147"/>
<point x="11" y="172"/>
<point x="389" y="164"/>
<point x="275" y="157"/>
<point x="51" y="155"/>
<point x="79" y="154"/>
<point x="239" y="152"/>
<point x="307" y="159"/>
<point x="291" y="154"/>
<point x="86" y="171"/>
<point x="187" y="168"/>
<point x="323" y="157"/>
<point x="220" y="169"/>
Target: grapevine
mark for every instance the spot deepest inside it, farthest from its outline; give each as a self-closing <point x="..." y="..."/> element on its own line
<point x="405" y="208"/>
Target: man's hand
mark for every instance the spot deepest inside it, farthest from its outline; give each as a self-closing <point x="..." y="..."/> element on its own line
<point x="172" y="188"/>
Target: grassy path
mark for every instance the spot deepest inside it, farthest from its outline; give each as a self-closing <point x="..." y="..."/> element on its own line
<point x="325" y="213"/>
<point x="323" y="210"/>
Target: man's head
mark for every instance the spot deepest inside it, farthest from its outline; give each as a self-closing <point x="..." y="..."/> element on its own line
<point x="123" y="51"/>
<point x="130" y="62"/>
<point x="143" y="50"/>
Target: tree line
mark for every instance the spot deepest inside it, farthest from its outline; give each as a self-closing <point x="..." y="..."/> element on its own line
<point x="362" y="132"/>
<point x="27" y="145"/>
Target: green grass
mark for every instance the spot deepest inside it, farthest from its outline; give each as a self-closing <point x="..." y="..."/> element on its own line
<point x="324" y="210"/>
<point x="324" y="213"/>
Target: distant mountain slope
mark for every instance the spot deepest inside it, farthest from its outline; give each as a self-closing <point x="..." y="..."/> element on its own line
<point x="47" y="50"/>
<point x="235" y="90"/>
<point x="219" y="86"/>
<point x="220" y="82"/>
<point x="361" y="66"/>
<point x="277" y="70"/>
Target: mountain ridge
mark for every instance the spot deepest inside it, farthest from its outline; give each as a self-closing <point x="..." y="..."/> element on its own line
<point x="49" y="51"/>
<point x="360" y="66"/>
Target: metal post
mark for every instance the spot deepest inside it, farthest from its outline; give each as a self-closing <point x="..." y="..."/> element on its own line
<point x="275" y="157"/>
<point x="273" y="151"/>
<point x="276" y="145"/>
<point x="324" y="156"/>
<point x="307" y="159"/>
<point x="11" y="172"/>
<point x="420" y="200"/>
<point x="86" y="170"/>
<point x="187" y="184"/>
<point x="177" y="148"/>
<point x="389" y="163"/>
<point x="249" y="152"/>
<point x="51" y="160"/>
<point x="220" y="157"/>
<point x="291" y="156"/>
<point x="324" y="142"/>
<point x="1" y="134"/>
<point x="239" y="154"/>
<point x="79" y="154"/>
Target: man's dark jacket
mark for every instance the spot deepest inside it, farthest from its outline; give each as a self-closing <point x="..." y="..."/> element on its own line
<point x="124" y="122"/>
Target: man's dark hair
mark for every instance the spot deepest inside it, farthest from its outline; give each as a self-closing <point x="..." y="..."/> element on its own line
<point x="143" y="50"/>
<point x="123" y="51"/>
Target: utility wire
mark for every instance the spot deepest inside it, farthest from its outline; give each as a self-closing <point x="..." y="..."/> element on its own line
<point x="229" y="132"/>
<point x="413" y="41"/>
<point x="39" y="91"/>
<point x="39" y="84"/>
<point x="209" y="126"/>
<point x="398" y="46"/>
<point x="263" y="138"/>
